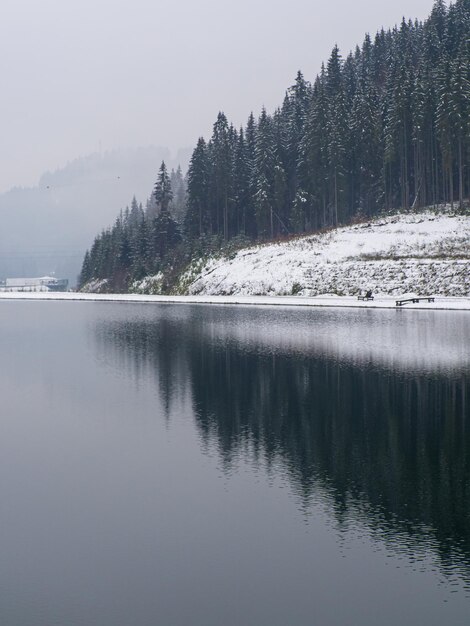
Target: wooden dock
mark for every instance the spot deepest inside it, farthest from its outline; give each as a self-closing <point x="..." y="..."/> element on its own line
<point x="414" y="300"/>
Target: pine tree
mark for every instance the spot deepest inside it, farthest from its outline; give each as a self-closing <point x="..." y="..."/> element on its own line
<point x="264" y="171"/>
<point x="366" y="148"/>
<point x="337" y="130"/>
<point x="86" y="271"/>
<point x="294" y="110"/>
<point x="162" y="191"/>
<point x="197" y="220"/>
<point x="138" y="249"/>
<point x="445" y="126"/>
<point x="282" y="172"/>
<point x="165" y="234"/>
<point x="242" y="187"/>
<point x="250" y="142"/>
<point x="312" y="199"/>
<point x="178" y="186"/>
<point x="221" y="168"/>
<point x="460" y="110"/>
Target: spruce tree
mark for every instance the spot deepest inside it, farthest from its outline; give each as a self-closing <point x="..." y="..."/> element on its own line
<point x="162" y="191"/>
<point x="197" y="219"/>
<point x="264" y="172"/>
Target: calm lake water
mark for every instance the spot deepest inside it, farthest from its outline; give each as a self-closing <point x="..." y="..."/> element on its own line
<point x="233" y="466"/>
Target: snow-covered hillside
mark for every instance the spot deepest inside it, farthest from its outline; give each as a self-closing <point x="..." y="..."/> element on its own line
<point x="425" y="253"/>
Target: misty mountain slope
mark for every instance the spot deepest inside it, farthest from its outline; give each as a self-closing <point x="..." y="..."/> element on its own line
<point x="46" y="229"/>
<point x="424" y="253"/>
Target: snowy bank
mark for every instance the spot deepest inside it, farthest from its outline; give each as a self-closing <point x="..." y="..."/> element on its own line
<point x="425" y="253"/>
<point x="382" y="302"/>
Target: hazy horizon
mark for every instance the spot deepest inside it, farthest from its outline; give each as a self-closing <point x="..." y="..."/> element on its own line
<point x="46" y="228"/>
<point x="98" y="76"/>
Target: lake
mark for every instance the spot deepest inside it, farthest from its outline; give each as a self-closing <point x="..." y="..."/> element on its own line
<point x="233" y="466"/>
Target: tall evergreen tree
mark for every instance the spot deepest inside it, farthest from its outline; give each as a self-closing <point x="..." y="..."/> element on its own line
<point x="337" y="130"/>
<point x="197" y="220"/>
<point x="163" y="192"/>
<point x="264" y="168"/>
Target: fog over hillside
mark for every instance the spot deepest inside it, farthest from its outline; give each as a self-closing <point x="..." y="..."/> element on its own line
<point x="46" y="229"/>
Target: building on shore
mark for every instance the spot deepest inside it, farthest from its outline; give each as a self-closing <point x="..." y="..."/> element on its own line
<point x="43" y="283"/>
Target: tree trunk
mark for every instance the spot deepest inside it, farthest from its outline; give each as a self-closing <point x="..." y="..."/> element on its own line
<point x="460" y="174"/>
<point x="451" y="184"/>
<point x="336" y="199"/>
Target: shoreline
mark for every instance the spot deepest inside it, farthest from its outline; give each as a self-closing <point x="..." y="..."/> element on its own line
<point x="380" y="302"/>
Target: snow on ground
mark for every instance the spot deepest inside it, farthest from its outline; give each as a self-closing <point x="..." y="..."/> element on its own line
<point x="149" y="285"/>
<point x="97" y="285"/>
<point x="381" y="302"/>
<point x="425" y="253"/>
<point x="29" y="289"/>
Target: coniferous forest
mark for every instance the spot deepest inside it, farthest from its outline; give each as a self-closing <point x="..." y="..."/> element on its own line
<point x="387" y="127"/>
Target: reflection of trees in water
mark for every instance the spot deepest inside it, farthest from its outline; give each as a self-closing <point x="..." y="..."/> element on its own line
<point x="399" y="442"/>
<point x="139" y="346"/>
<point x="396" y="443"/>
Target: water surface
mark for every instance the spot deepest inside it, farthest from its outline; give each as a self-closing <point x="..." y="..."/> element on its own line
<point x="211" y="465"/>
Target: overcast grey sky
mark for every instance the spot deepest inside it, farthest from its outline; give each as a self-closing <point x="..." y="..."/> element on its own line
<point x="77" y="74"/>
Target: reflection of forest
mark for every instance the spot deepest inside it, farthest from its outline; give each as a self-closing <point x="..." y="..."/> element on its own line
<point x="397" y="442"/>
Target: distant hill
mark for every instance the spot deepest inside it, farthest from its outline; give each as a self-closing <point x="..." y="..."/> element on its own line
<point x="46" y="229"/>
